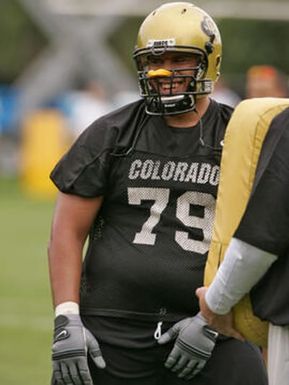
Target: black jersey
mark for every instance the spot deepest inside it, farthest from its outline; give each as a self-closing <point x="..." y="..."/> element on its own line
<point x="265" y="223"/>
<point x="148" y="245"/>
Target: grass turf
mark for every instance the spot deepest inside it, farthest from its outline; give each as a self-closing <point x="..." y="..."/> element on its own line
<point x="25" y="307"/>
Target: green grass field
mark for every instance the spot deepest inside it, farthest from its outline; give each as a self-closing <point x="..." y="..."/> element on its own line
<point x="26" y="315"/>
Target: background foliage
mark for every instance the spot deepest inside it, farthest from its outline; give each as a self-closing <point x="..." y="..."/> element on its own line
<point x="20" y="40"/>
<point x="245" y="43"/>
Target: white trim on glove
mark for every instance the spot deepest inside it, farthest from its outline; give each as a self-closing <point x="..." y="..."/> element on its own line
<point x="67" y="307"/>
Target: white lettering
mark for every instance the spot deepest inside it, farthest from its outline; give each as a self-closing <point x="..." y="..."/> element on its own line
<point x="192" y="173"/>
<point x="134" y="169"/>
<point x="147" y="169"/>
<point x="204" y="173"/>
<point x="168" y="170"/>
<point x="215" y="176"/>
<point x="155" y="175"/>
<point x="200" y="173"/>
<point x="180" y="171"/>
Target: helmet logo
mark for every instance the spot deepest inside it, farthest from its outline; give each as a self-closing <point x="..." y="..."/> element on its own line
<point x="158" y="47"/>
<point x="161" y="43"/>
<point x="209" y="28"/>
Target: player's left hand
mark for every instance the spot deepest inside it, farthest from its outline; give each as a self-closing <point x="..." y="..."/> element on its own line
<point x="194" y="344"/>
<point x="222" y="323"/>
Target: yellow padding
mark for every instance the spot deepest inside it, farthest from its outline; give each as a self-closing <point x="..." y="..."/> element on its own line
<point x="243" y="142"/>
<point x="44" y="140"/>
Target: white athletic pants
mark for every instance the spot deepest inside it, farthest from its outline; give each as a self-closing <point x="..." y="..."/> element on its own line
<point x="278" y="355"/>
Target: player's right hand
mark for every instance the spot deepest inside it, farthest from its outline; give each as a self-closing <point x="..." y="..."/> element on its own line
<point x="72" y="342"/>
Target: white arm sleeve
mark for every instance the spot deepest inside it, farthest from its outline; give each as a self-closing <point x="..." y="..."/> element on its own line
<point x="242" y="267"/>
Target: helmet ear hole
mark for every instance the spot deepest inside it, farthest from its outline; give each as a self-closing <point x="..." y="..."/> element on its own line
<point x="209" y="47"/>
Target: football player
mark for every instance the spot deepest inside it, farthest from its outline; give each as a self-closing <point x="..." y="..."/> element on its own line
<point x="142" y="183"/>
<point x="258" y="256"/>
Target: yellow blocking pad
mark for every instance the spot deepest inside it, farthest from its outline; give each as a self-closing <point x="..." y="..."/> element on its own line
<point x="44" y="140"/>
<point x="242" y="146"/>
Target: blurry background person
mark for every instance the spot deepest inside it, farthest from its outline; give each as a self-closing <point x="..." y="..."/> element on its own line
<point x="85" y="104"/>
<point x="266" y="81"/>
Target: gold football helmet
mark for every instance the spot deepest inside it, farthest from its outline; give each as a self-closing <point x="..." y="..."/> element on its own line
<point x="178" y="27"/>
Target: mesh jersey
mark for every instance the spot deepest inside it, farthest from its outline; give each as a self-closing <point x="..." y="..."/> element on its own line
<point x="265" y="223"/>
<point x="149" y="243"/>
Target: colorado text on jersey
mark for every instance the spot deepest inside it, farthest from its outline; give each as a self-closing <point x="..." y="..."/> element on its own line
<point x="194" y="172"/>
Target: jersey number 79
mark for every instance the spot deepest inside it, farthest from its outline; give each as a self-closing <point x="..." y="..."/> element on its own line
<point x="161" y="196"/>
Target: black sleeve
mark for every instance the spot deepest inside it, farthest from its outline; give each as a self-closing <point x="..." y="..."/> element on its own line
<point x="265" y="223"/>
<point x="83" y="170"/>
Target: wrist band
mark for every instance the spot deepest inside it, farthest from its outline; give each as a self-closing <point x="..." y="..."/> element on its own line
<point x="68" y="307"/>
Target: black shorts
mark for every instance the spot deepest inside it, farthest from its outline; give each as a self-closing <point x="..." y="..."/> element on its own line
<point x="233" y="363"/>
<point x="135" y="358"/>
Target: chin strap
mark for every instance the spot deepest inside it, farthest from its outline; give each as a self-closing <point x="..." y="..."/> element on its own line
<point x="169" y="105"/>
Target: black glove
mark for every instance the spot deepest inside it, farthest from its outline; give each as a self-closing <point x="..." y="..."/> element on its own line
<point x="193" y="347"/>
<point x="72" y="342"/>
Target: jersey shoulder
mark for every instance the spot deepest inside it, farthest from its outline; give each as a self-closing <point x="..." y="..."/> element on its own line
<point x="225" y="111"/>
<point x="113" y="129"/>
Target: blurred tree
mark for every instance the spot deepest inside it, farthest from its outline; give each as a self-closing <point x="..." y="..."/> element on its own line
<point x="20" y="40"/>
<point x="245" y="43"/>
<point x="123" y="40"/>
<point x="251" y="42"/>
